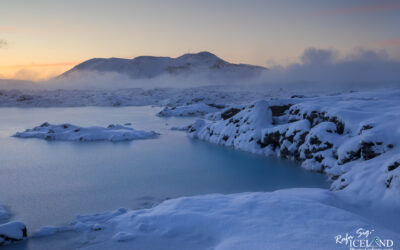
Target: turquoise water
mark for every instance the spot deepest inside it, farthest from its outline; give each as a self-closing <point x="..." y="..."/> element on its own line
<point x="49" y="183"/>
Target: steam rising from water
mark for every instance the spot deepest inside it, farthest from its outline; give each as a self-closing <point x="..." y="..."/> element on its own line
<point x="317" y="68"/>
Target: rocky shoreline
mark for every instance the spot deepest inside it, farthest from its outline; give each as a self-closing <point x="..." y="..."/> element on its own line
<point x="336" y="135"/>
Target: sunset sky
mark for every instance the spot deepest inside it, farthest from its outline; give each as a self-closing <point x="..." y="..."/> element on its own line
<point x="43" y="38"/>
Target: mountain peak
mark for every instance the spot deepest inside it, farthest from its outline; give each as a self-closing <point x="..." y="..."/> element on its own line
<point x="200" y="54"/>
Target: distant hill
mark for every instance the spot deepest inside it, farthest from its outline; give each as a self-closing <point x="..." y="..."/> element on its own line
<point x="151" y="66"/>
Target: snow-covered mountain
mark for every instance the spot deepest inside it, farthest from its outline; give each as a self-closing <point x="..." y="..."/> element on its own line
<point x="151" y="66"/>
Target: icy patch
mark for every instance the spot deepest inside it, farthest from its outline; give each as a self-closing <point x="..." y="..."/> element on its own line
<point x="123" y="236"/>
<point x="283" y="219"/>
<point x="68" y="132"/>
<point x="46" y="231"/>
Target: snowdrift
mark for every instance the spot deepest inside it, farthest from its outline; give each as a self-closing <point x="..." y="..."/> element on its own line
<point x="285" y="219"/>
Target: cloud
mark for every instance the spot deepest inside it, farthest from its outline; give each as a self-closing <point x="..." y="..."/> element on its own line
<point x="24" y="74"/>
<point x="361" y="9"/>
<point x="3" y="43"/>
<point x="326" y="68"/>
<point x="318" y="56"/>
<point x="388" y="43"/>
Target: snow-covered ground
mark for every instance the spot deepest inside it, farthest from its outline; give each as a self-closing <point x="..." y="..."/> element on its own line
<point x="285" y="219"/>
<point x="69" y="132"/>
<point x="44" y="95"/>
<point x="124" y="97"/>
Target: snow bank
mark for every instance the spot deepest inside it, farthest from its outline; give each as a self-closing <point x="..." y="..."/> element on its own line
<point x="286" y="219"/>
<point x="68" y="132"/>
<point x="353" y="138"/>
<point x="12" y="232"/>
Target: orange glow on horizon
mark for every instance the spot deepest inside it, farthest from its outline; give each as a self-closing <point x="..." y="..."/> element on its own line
<point x="33" y="65"/>
<point x="34" y="71"/>
<point x="388" y="43"/>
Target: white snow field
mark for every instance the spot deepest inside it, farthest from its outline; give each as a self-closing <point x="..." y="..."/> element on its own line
<point x="170" y="97"/>
<point x="285" y="219"/>
<point x="69" y="132"/>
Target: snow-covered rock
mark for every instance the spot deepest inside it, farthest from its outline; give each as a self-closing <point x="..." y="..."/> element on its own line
<point x="151" y="66"/>
<point x="353" y="138"/>
<point x="68" y="132"/>
<point x="197" y="109"/>
<point x="285" y="219"/>
<point x="12" y="232"/>
<point x="239" y="128"/>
